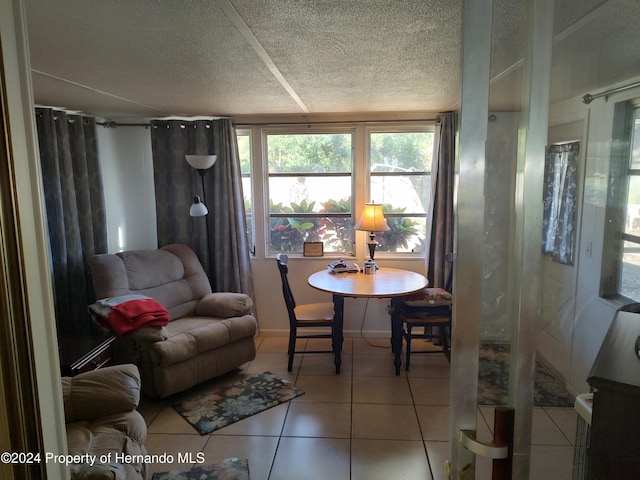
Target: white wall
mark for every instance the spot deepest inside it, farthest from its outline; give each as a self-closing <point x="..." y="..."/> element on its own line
<point x="127" y="169"/>
<point x="593" y="314"/>
<point x="554" y="325"/>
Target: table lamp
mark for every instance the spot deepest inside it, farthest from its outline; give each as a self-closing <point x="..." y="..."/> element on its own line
<point x="372" y="220"/>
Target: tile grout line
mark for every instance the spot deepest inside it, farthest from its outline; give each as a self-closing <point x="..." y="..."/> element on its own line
<point x="415" y="411"/>
<point x="284" y="422"/>
<point x="351" y="415"/>
<point x="571" y="442"/>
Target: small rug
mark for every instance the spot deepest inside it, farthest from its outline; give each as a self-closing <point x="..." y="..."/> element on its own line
<point x="213" y="409"/>
<point x="493" y="383"/>
<point x="229" y="469"/>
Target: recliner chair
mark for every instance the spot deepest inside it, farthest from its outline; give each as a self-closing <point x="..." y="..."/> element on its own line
<point x="102" y="421"/>
<point x="209" y="334"/>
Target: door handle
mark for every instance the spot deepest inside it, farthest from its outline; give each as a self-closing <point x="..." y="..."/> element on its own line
<point x="500" y="449"/>
<point x="484" y="449"/>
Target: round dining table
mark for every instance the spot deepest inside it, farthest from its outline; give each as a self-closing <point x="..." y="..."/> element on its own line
<point x="385" y="283"/>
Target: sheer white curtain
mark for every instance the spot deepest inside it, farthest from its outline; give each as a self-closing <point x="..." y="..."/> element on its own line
<point x="559" y="196"/>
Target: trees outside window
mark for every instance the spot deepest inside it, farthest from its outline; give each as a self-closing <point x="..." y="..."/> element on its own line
<point x="311" y="178"/>
<point x="310" y="190"/>
<point x="400" y="179"/>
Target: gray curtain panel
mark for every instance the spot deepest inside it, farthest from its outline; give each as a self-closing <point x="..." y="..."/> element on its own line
<point x="559" y="197"/>
<point x="76" y="219"/>
<point x="440" y="217"/>
<point x="219" y="238"/>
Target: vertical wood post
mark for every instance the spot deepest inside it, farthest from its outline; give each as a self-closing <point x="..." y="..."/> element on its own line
<point x="503" y="425"/>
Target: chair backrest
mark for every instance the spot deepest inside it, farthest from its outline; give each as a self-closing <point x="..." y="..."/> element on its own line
<point x="290" y="302"/>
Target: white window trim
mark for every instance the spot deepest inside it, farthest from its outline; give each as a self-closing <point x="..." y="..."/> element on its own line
<point x="396" y="127"/>
<point x="360" y="178"/>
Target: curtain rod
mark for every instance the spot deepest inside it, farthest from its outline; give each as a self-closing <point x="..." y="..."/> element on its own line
<point x="588" y="98"/>
<point x="332" y="122"/>
<point x="112" y="124"/>
<point x="117" y="124"/>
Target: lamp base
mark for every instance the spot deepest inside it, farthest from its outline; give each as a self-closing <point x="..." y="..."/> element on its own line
<point x="372" y="244"/>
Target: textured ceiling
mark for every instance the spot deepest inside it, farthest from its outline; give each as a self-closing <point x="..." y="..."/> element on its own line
<point x="145" y="58"/>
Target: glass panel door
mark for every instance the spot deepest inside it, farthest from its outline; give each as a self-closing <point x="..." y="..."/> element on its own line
<point x="503" y="127"/>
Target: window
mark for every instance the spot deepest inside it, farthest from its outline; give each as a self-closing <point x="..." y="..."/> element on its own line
<point x="630" y="268"/>
<point x="244" y="155"/>
<point x="315" y="177"/>
<point x="399" y="169"/>
<point x="621" y="262"/>
<point x="310" y="190"/>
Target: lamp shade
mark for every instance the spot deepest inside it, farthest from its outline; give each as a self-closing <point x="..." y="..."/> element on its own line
<point x="372" y="219"/>
<point x="201" y="162"/>
<point x="198" y="209"/>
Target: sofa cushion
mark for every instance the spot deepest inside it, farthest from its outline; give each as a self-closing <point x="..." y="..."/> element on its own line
<point x="172" y="275"/>
<point x="428" y="297"/>
<point x="191" y="336"/>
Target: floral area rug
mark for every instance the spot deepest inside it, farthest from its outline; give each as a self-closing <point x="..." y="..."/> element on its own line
<point x="229" y="469"/>
<point x="493" y="383"/>
<point x="213" y="409"/>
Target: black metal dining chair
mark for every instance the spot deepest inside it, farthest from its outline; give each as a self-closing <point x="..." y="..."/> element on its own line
<point x="429" y="310"/>
<point x="310" y="315"/>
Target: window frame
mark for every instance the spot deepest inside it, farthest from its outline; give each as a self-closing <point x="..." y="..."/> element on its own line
<point x="301" y="129"/>
<point x="401" y="127"/>
<point x="621" y="171"/>
<point x="360" y="177"/>
<point x="249" y="216"/>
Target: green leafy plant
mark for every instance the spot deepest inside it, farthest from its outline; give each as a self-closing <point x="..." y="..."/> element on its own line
<point x="289" y="233"/>
<point x="401" y="229"/>
<point x="337" y="232"/>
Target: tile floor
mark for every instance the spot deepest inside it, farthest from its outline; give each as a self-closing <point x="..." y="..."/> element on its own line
<point x="364" y="424"/>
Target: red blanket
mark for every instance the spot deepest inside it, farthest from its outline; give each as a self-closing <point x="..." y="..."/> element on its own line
<point x="123" y="317"/>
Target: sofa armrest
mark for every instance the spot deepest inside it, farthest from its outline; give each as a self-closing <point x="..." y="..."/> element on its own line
<point x="101" y="392"/>
<point x="148" y="334"/>
<point x="224" y="305"/>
